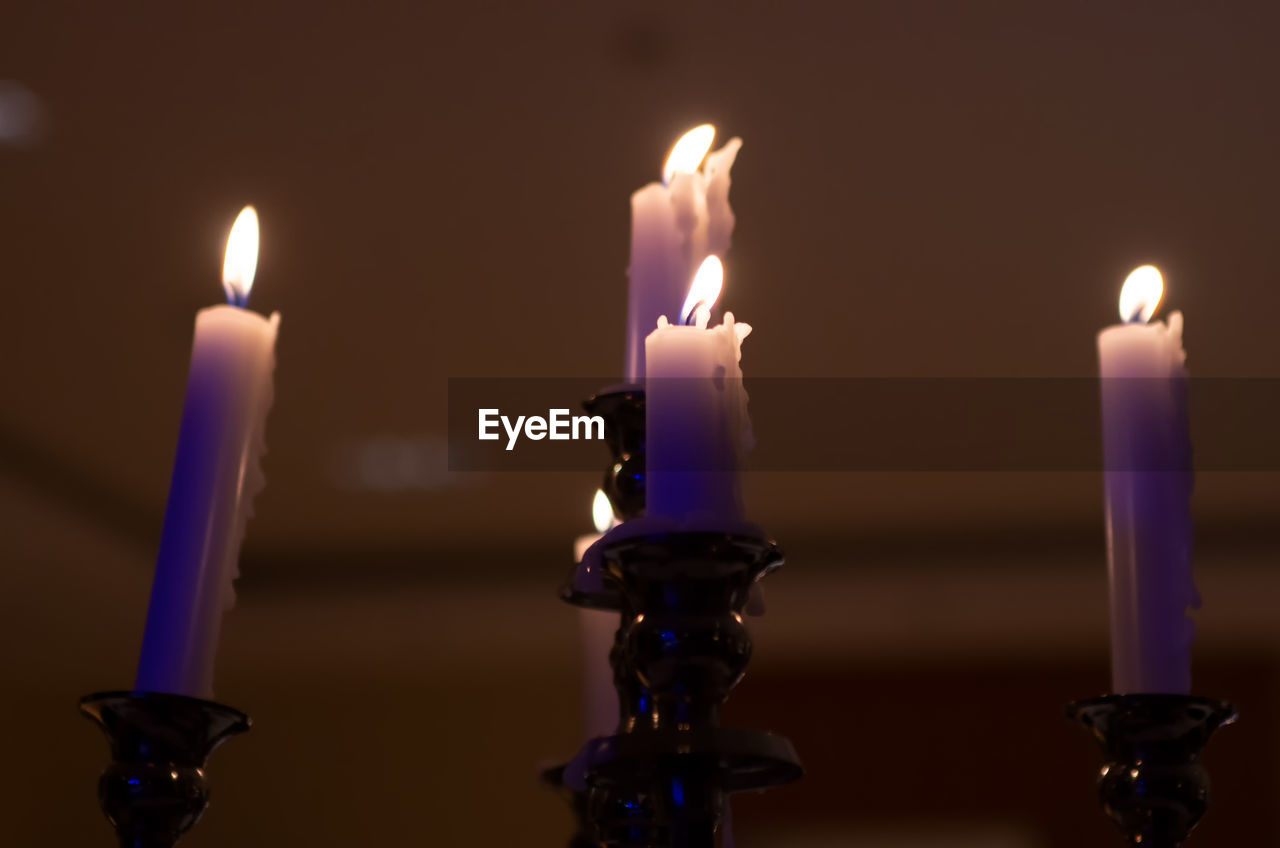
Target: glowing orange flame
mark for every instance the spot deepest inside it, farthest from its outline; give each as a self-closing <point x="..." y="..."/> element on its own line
<point x="602" y="512"/>
<point x="690" y="150"/>
<point x="704" y="291"/>
<point x="241" y="261"/>
<point x="1140" y="294"/>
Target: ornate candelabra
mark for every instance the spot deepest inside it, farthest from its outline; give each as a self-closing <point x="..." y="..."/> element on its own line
<point x="1152" y="785"/>
<point x="665" y="776"/>
<point x="154" y="791"/>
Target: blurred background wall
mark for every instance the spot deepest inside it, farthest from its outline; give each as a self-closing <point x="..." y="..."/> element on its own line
<point x="928" y="189"/>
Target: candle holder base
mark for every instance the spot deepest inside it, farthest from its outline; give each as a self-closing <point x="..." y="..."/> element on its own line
<point x="672" y="788"/>
<point x="1153" y="786"/>
<point x="154" y="791"/>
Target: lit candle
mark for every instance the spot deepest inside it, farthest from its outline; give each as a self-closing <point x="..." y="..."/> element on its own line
<point x="602" y="518"/>
<point x="597" y="630"/>
<point x="1147" y="450"/>
<point x="696" y="423"/>
<point x="675" y="224"/>
<point x="216" y="475"/>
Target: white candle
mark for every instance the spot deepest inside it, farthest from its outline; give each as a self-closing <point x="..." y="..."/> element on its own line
<point x="597" y="629"/>
<point x="675" y="224"/>
<point x="696" y="420"/>
<point x="216" y="475"/>
<point x="1147" y="447"/>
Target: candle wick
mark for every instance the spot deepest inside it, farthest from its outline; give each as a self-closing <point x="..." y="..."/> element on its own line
<point x="691" y="320"/>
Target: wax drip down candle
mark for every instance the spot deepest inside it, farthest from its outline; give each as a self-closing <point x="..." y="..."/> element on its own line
<point x="1147" y="453"/>
<point x="696" y="421"/>
<point x="675" y="224"/>
<point x="216" y="474"/>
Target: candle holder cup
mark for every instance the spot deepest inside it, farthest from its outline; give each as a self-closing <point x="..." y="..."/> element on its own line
<point x="1153" y="786"/>
<point x="154" y="791"/>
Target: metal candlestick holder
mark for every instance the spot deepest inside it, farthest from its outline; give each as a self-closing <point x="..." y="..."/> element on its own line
<point x="1152" y="785"/>
<point x="665" y="776"/>
<point x="154" y="791"/>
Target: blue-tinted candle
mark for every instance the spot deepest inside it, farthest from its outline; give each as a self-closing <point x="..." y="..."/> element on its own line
<point x="696" y="422"/>
<point x="1147" y="451"/>
<point x="216" y="474"/>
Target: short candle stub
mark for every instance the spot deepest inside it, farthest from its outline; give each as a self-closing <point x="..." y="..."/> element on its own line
<point x="1152" y="785"/>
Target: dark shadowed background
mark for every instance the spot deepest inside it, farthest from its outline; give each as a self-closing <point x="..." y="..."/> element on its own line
<point x="925" y="189"/>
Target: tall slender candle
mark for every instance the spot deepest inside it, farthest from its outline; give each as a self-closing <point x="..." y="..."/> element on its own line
<point x="696" y="423"/>
<point x="1147" y="450"/>
<point x="675" y="224"/>
<point x="216" y="475"/>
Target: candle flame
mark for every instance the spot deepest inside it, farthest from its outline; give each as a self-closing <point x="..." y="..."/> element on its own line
<point x="690" y="150"/>
<point x="602" y="512"/>
<point x="1140" y="294"/>
<point x="241" y="261"/>
<point x="704" y="291"/>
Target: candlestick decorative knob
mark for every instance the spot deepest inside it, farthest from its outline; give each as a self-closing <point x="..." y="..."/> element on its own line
<point x="685" y="641"/>
<point x="624" y="432"/>
<point x="623" y="413"/>
<point x="154" y="791"/>
<point x="1153" y="786"/>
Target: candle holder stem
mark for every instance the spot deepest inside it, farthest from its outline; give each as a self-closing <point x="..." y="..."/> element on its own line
<point x="664" y="778"/>
<point x="1152" y="785"/>
<point x="154" y="790"/>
